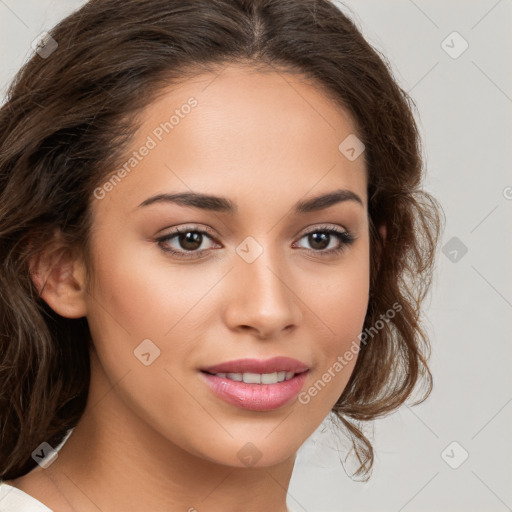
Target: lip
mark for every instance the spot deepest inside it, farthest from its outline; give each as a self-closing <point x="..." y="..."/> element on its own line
<point x="256" y="397"/>
<point x="275" y="364"/>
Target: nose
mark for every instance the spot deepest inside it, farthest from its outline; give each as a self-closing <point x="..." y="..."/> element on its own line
<point x="262" y="297"/>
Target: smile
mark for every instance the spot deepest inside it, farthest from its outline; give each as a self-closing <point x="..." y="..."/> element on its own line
<point x="255" y="391"/>
<point x="257" y="378"/>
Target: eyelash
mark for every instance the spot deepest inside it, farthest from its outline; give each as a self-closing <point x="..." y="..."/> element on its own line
<point x="345" y="237"/>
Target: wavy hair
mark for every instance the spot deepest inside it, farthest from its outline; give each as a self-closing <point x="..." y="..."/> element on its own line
<point x="66" y="123"/>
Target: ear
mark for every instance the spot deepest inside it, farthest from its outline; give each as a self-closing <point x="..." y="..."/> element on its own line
<point x="58" y="274"/>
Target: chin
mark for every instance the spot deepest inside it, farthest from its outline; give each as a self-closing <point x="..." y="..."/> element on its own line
<point x="251" y="454"/>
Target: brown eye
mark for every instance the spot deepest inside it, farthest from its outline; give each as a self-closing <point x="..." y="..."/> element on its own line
<point x="185" y="242"/>
<point x="321" y="238"/>
<point x="190" y="240"/>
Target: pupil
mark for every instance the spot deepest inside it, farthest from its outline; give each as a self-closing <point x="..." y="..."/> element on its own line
<point x="319" y="240"/>
<point x="190" y="240"/>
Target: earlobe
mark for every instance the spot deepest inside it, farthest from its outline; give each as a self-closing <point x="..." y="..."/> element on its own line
<point x="58" y="276"/>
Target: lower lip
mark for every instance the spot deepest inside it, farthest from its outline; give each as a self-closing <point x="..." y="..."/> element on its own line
<point x="256" y="397"/>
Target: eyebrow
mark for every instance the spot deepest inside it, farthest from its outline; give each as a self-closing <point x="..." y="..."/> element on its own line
<point x="225" y="205"/>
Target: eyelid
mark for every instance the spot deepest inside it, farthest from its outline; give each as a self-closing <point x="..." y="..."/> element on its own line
<point x="193" y="255"/>
<point x="345" y="236"/>
<point x="189" y="227"/>
<point x="321" y="227"/>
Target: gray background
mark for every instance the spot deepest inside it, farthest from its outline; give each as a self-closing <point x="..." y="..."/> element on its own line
<point x="464" y="109"/>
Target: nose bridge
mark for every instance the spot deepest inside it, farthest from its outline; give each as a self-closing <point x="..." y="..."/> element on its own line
<point x="263" y="298"/>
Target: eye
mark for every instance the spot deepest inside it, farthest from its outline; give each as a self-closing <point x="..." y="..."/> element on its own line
<point x="321" y="238"/>
<point x="188" y="240"/>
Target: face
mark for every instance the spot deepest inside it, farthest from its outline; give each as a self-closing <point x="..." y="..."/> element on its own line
<point x="263" y="272"/>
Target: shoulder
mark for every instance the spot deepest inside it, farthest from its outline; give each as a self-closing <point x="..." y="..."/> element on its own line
<point x="13" y="499"/>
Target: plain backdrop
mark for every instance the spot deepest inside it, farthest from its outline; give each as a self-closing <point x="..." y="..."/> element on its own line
<point x="454" y="451"/>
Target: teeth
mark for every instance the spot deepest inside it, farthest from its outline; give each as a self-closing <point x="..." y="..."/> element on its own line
<point x="269" y="378"/>
<point x="252" y="378"/>
<point x="258" y="378"/>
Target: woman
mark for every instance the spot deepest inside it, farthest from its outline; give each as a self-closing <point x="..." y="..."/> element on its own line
<point x="213" y="236"/>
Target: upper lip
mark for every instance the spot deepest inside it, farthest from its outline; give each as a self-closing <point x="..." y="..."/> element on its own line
<point x="275" y="364"/>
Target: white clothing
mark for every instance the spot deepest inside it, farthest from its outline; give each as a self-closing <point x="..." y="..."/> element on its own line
<point x="13" y="499"/>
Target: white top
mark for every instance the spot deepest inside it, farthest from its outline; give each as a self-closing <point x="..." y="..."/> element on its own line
<point x="13" y="499"/>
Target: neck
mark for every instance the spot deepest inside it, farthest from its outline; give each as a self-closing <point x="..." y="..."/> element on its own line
<point x="116" y="461"/>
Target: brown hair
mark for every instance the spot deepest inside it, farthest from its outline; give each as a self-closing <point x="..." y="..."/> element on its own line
<point x="70" y="115"/>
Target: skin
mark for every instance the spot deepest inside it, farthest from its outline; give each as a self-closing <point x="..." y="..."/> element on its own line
<point x="155" y="437"/>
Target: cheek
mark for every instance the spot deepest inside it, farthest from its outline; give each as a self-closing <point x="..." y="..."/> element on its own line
<point x="346" y="307"/>
<point x="139" y="291"/>
<point x="136" y="298"/>
<point x="139" y="295"/>
<point x="341" y="303"/>
<point x="341" y="296"/>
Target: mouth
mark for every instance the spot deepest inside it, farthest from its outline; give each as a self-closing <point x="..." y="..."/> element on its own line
<point x="256" y="378"/>
<point x="277" y="369"/>
<point x="257" y="385"/>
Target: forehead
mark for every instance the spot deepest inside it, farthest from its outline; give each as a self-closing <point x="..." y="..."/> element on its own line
<point x="243" y="133"/>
